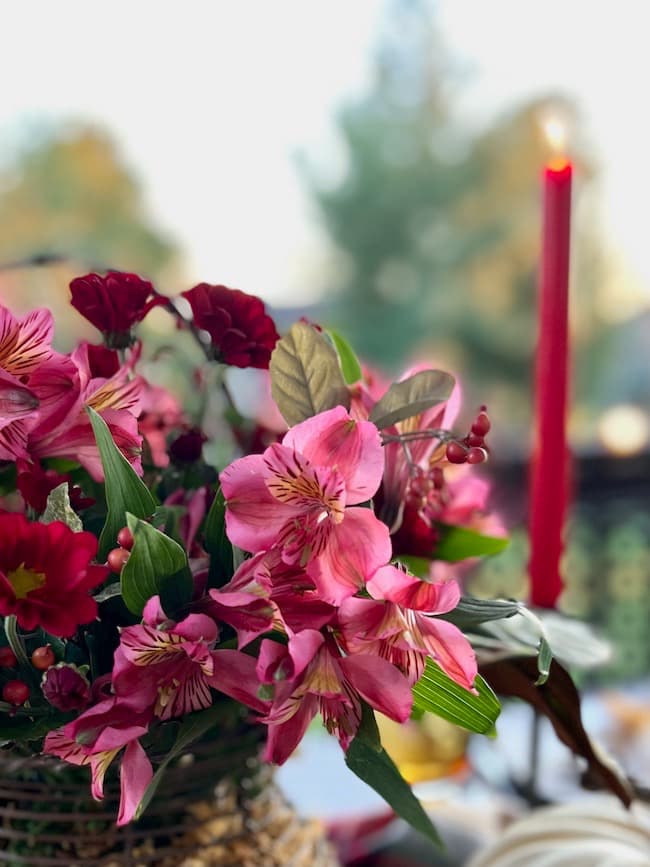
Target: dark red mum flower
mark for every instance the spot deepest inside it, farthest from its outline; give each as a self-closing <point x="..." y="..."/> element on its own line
<point x="46" y="574"/>
<point x="114" y="303"/>
<point x="242" y="332"/>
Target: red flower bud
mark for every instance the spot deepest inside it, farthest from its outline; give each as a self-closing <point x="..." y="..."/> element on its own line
<point x="481" y="424"/>
<point x="476" y="456"/>
<point x="65" y="687"/>
<point x="188" y="447"/>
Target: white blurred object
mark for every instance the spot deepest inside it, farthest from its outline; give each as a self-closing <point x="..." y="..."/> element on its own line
<point x="573" y="642"/>
<point x="598" y="832"/>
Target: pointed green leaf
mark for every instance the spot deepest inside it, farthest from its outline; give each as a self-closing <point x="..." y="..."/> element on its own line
<point x="471" y="611"/>
<point x="305" y="375"/>
<point x="157" y="566"/>
<point x="458" y="543"/>
<point x="437" y="693"/>
<point x="544" y="660"/>
<point x="191" y="729"/>
<point x="125" y="490"/>
<point x="411" y="397"/>
<point x="349" y="362"/>
<point x="371" y="763"/>
<point x="217" y="543"/>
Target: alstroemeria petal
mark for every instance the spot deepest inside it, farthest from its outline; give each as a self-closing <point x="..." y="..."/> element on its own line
<point x="397" y="586"/>
<point x="253" y="517"/>
<point x="248" y="614"/>
<point x="135" y="775"/>
<point x="449" y="648"/>
<point x="334" y="439"/>
<point x="284" y="737"/>
<point x="235" y="675"/>
<point x="380" y="684"/>
<point x="355" y="549"/>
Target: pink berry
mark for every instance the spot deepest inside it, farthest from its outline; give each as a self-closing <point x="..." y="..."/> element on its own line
<point x="125" y="538"/>
<point x="476" y="455"/>
<point x="7" y="658"/>
<point x="117" y="559"/>
<point x="481" y="424"/>
<point x="456" y="453"/>
<point x="43" y="658"/>
<point x="15" y="692"/>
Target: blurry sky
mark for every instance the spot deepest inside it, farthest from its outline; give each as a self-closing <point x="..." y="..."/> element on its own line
<point x="210" y="101"/>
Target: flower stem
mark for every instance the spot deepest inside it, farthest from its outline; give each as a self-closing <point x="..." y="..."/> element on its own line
<point x="14" y="639"/>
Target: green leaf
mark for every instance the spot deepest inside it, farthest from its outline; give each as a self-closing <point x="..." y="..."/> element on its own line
<point x="544" y="660"/>
<point x="125" y="491"/>
<point x="437" y="693"/>
<point x="411" y="397"/>
<point x="157" y="566"/>
<point x="21" y="729"/>
<point x="471" y="611"/>
<point x="349" y="362"/>
<point x="217" y="543"/>
<point x="58" y="508"/>
<point x="191" y="729"/>
<point x="458" y="543"/>
<point x="371" y="763"/>
<point x="305" y="375"/>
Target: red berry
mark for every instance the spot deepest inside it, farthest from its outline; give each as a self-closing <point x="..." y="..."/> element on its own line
<point x="476" y="456"/>
<point x="117" y="558"/>
<point x="15" y="692"/>
<point x="43" y="658"/>
<point x="7" y="658"/>
<point x="125" y="538"/>
<point x="481" y="424"/>
<point x="456" y="453"/>
<point x="474" y="439"/>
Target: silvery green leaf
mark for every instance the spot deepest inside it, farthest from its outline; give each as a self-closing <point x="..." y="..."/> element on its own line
<point x="306" y="376"/>
<point x="58" y="508"/>
<point x="573" y="642"/>
<point x="411" y="397"/>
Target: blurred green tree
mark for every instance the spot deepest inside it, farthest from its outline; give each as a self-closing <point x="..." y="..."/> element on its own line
<point x="70" y="193"/>
<point x="437" y="226"/>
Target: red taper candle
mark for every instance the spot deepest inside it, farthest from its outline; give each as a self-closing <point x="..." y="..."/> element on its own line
<point x="549" y="476"/>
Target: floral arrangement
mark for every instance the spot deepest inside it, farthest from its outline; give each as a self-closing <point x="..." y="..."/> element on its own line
<point x="145" y="595"/>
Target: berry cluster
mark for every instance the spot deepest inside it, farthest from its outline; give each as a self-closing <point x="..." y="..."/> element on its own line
<point x="118" y="556"/>
<point x="16" y="692"/>
<point x="472" y="448"/>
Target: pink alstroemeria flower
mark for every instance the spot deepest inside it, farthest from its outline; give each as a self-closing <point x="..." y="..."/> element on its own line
<point x="265" y="593"/>
<point x="397" y="625"/>
<point x="302" y="496"/>
<point x="37" y="385"/>
<point x="96" y="737"/>
<point x="171" y="667"/>
<point x="116" y="398"/>
<point x="310" y="675"/>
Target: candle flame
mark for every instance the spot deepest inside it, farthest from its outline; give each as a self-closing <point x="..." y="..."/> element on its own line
<point x="555" y="133"/>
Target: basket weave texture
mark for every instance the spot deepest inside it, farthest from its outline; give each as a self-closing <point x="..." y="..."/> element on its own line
<point x="201" y="816"/>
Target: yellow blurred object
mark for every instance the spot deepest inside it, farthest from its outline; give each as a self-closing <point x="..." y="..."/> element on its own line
<point x="426" y="749"/>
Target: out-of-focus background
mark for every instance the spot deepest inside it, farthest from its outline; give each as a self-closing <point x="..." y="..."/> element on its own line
<point x="375" y="164"/>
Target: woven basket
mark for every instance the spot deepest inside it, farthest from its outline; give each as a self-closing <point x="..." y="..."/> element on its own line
<point x="212" y="810"/>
